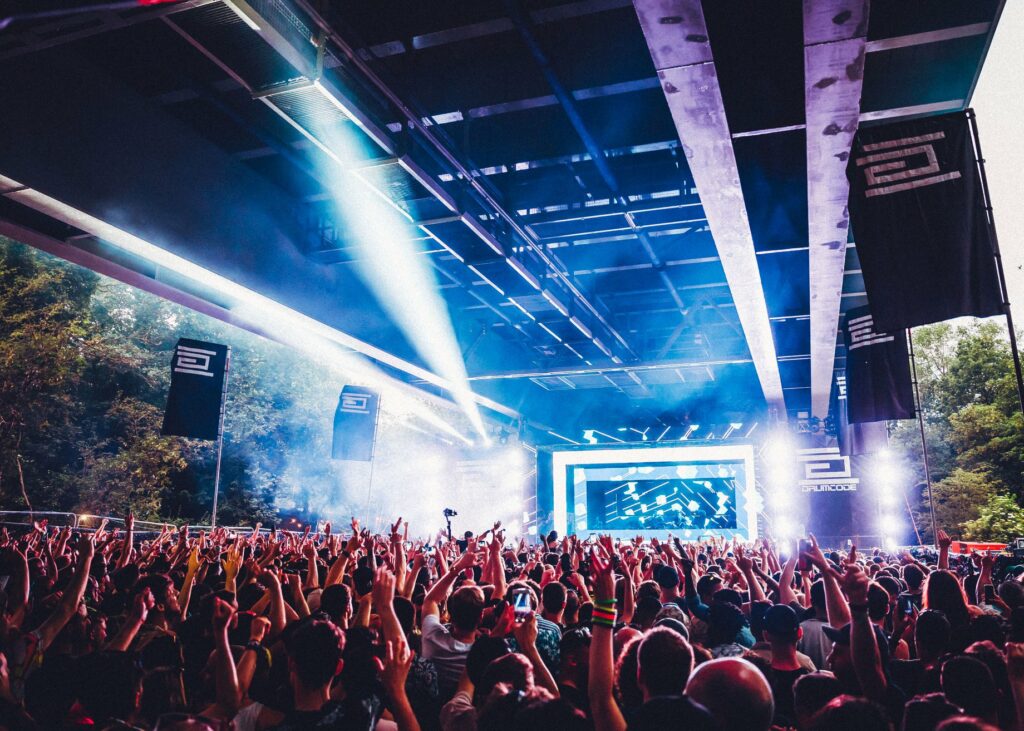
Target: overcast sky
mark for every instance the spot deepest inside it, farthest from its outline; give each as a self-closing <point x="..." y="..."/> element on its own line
<point x="999" y="102"/>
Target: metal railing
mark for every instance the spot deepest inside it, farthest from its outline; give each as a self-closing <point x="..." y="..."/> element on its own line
<point x="88" y="521"/>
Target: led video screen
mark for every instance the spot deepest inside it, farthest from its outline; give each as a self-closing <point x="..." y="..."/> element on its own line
<point x="689" y="491"/>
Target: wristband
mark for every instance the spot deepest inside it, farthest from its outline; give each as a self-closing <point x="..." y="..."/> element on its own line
<point x="603" y="616"/>
<point x="604" y="604"/>
<point x="253" y="645"/>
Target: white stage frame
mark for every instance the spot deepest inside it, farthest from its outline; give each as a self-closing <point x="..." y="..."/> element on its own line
<point x="561" y="460"/>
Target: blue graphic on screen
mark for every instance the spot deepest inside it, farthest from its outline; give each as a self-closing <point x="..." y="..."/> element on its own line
<point x="690" y="497"/>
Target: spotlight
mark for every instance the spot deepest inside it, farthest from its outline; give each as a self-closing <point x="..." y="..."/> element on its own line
<point x="780" y="499"/>
<point x="890" y="543"/>
<point x="780" y="475"/>
<point x="889" y="497"/>
<point x="780" y="450"/>
<point x="889" y="524"/>
<point x="513" y="460"/>
<point x="783" y="529"/>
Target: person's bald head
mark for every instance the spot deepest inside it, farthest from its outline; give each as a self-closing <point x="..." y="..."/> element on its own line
<point x="735" y="692"/>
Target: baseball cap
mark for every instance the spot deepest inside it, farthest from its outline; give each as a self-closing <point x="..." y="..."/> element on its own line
<point x="781" y="621"/>
<point x="841" y="636"/>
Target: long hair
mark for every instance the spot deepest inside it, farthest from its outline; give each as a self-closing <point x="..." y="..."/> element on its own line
<point x="942" y="591"/>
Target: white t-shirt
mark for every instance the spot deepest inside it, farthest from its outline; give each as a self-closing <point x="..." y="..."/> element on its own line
<point x="447" y="653"/>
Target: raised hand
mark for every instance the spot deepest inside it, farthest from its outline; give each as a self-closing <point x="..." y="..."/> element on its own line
<point x="604" y="580"/>
<point x="743" y="561"/>
<point x="817" y="558"/>
<point x="943" y="539"/>
<point x="144" y="601"/>
<point x="397" y="662"/>
<point x="856" y="583"/>
<point x="258" y="629"/>
<point x="193" y="559"/>
<point x="222" y="614"/>
<point x="526" y="632"/>
<point x="383" y="588"/>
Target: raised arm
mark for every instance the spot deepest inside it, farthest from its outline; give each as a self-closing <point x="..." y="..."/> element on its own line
<point x="439" y="591"/>
<point x="835" y="603"/>
<point x="397" y="663"/>
<point x="277" y="610"/>
<point x="867" y="659"/>
<point x="312" y="569"/>
<point x="128" y="550"/>
<point x="497" y="565"/>
<point x="72" y="595"/>
<point x="384" y="600"/>
<point x="746" y="566"/>
<point x="526" y="638"/>
<point x="185" y="595"/>
<point x="144" y="601"/>
<point x="337" y="570"/>
<point x="944" y="542"/>
<point x="786" y="593"/>
<point x="229" y="694"/>
<point x="605" y="711"/>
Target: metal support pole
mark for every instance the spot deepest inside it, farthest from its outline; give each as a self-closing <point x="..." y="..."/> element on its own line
<point x="220" y="437"/>
<point x="998" y="257"/>
<point x="924" y="444"/>
<point x="373" y="455"/>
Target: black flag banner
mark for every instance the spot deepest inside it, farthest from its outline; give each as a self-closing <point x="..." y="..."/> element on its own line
<point x="854" y="439"/>
<point x="877" y="371"/>
<point x="922" y="234"/>
<point x="355" y="424"/>
<point x="197" y="387"/>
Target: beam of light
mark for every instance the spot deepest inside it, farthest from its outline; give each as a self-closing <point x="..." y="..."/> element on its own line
<point x="388" y="258"/>
<point x="261" y="314"/>
<point x="395" y="396"/>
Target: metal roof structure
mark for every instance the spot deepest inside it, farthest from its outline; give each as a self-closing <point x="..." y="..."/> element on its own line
<point x="635" y="210"/>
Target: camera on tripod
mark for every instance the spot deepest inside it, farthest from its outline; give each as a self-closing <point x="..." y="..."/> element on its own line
<point x="448" y="512"/>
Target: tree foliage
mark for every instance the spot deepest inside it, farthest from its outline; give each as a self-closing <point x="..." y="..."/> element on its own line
<point x="973" y="429"/>
<point x="83" y="381"/>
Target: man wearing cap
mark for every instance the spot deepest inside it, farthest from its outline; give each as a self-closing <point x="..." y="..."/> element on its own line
<point x="781" y="632"/>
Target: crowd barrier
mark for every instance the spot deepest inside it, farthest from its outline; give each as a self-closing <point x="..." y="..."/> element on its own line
<point x="88" y="521"/>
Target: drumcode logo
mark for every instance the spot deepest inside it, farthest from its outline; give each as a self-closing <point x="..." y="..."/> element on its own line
<point x="825" y="470"/>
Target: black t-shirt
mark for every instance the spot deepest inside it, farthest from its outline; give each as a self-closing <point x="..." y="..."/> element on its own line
<point x="670" y="712"/>
<point x="575" y="697"/>
<point x="781" y="682"/>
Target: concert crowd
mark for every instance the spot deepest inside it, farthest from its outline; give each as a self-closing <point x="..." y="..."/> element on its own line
<point x="362" y="630"/>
